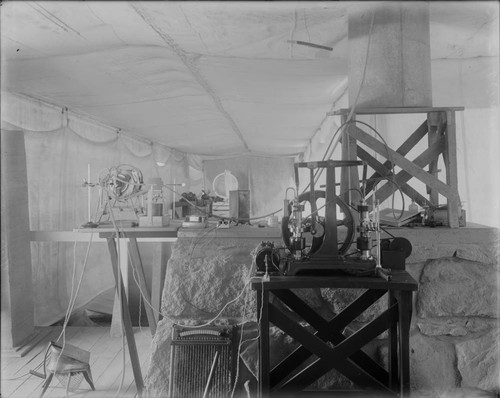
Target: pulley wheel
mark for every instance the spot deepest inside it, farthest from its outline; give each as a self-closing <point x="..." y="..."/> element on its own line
<point x="401" y="245"/>
<point x="345" y="223"/>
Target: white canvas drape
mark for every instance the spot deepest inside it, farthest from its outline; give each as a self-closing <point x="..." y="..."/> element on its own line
<point x="59" y="149"/>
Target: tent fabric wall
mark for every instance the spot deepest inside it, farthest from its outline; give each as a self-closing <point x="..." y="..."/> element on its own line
<point x="57" y="164"/>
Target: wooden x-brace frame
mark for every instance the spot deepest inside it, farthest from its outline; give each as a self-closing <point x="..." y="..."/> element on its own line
<point x="440" y="129"/>
<point x="328" y="348"/>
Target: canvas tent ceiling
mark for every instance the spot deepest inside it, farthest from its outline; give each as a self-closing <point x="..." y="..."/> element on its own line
<point x="206" y="78"/>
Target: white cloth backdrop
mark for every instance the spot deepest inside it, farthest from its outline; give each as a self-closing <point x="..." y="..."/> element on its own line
<point x="59" y="150"/>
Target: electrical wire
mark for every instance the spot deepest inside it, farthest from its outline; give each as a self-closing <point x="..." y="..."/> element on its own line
<point x="240" y="344"/>
<point x="207" y="323"/>
<point x="210" y="322"/>
<point x="217" y="316"/>
<point x="389" y="157"/>
<point x="243" y="322"/>
<point x="69" y="308"/>
<point x="72" y="298"/>
<point x="393" y="199"/>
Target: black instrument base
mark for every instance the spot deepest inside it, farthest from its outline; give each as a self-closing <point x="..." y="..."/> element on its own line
<point x="330" y="266"/>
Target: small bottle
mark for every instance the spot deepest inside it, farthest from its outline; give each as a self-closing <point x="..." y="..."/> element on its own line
<point x="413" y="207"/>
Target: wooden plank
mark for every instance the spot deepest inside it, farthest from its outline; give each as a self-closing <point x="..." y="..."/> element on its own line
<point x="264" y="355"/>
<point x="327" y="331"/>
<point x="407" y="165"/>
<point x="349" y="177"/>
<point x="104" y="351"/>
<point x="332" y="357"/>
<point x="237" y="232"/>
<point x="114" y="374"/>
<point x="401" y="280"/>
<point x="127" y="323"/>
<point x="107" y="353"/>
<point x="109" y="367"/>
<point x="382" y="170"/>
<point x="415" y="195"/>
<point x="435" y="125"/>
<point x="139" y="271"/>
<point x="451" y="169"/>
<point x="395" y="110"/>
<point x="340" y="321"/>
<point x="160" y="261"/>
<point x="392" y="354"/>
<point x="404" y="313"/>
<point x="404" y="176"/>
<point x="144" y="341"/>
<point x="65" y="236"/>
<point x="11" y="365"/>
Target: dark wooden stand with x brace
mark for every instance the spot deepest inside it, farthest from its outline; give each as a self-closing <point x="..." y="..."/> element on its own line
<point x="331" y="347"/>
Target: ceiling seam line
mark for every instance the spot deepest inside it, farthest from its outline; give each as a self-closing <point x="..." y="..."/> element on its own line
<point x="195" y="72"/>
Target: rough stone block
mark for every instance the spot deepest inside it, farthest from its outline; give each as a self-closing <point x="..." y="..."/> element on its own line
<point x="452" y="286"/>
<point x="487" y="254"/>
<point x="466" y="392"/>
<point x="156" y="380"/>
<point x="201" y="279"/>
<point x="432" y="364"/>
<point x="478" y="362"/>
<point x="431" y="249"/>
<point x="455" y="326"/>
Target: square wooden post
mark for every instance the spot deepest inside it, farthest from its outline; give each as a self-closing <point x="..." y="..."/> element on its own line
<point x="349" y="180"/>
<point x="450" y="161"/>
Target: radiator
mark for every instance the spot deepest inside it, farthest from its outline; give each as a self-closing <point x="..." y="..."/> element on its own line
<point x="193" y="354"/>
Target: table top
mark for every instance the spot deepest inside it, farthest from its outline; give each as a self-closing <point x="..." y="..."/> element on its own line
<point x="396" y="110"/>
<point x="401" y="280"/>
<point x="133" y="232"/>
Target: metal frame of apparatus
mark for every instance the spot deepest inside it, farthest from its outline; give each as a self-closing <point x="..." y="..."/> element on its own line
<point x="325" y="254"/>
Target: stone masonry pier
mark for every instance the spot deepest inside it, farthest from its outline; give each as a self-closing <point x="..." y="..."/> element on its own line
<point x="454" y="339"/>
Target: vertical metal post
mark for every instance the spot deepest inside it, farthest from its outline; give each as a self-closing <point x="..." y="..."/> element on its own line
<point x="331" y="248"/>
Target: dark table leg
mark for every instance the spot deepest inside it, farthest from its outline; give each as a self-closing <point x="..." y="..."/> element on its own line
<point x="405" y="310"/>
<point x="393" y="349"/>
<point x="263" y="317"/>
<point x="127" y="323"/>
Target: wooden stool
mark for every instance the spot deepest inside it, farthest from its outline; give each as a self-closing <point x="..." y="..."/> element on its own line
<point x="68" y="363"/>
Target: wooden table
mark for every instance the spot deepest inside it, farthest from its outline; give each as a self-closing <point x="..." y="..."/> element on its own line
<point x="132" y="235"/>
<point x="333" y="349"/>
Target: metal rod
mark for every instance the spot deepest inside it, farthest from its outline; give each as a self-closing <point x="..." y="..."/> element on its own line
<point x="211" y="375"/>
